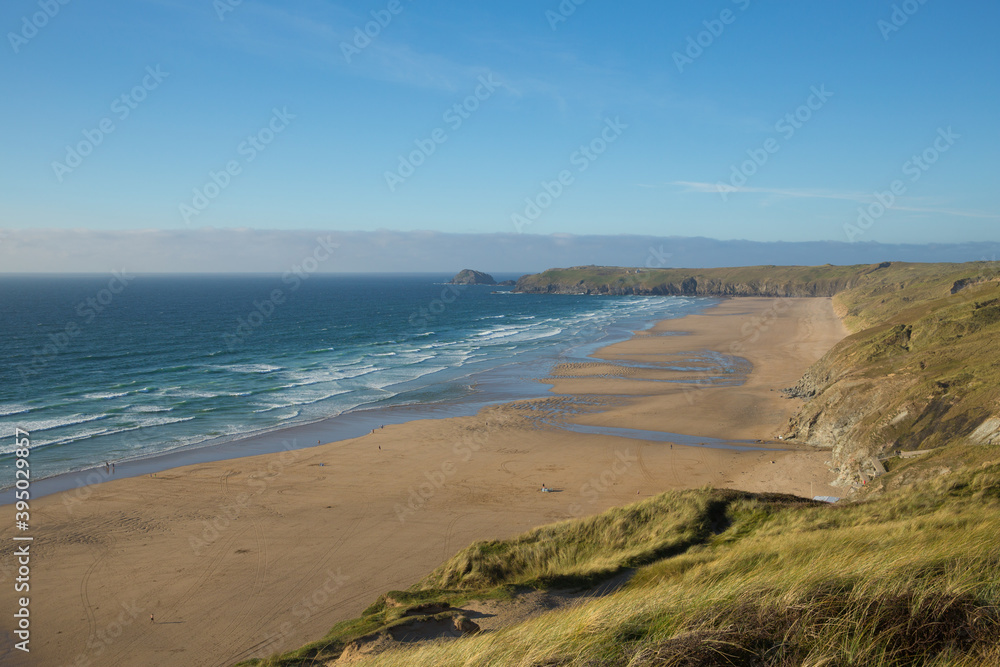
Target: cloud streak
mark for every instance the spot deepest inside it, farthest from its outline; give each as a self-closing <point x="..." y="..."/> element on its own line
<point x="793" y="193"/>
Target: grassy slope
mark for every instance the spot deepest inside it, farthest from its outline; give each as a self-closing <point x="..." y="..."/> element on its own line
<point x="828" y="280"/>
<point x="727" y="578"/>
<point x="761" y="280"/>
<point x="903" y="580"/>
<point x="921" y="372"/>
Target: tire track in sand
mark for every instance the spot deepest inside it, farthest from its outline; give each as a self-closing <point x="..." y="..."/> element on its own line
<point x="85" y="596"/>
<point x="284" y="604"/>
<point x="235" y="638"/>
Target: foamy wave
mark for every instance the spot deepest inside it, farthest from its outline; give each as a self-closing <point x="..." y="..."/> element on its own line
<point x="402" y="374"/>
<point x="194" y="393"/>
<point x="268" y="408"/>
<point x="319" y="376"/>
<point x="317" y="399"/>
<point x="250" y="368"/>
<point x="110" y="430"/>
<point x="106" y="395"/>
<point x="58" y="422"/>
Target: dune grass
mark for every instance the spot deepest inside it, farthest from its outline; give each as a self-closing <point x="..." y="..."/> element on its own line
<point x="908" y="579"/>
<point x="728" y="578"/>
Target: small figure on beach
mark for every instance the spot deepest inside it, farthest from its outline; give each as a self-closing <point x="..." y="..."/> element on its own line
<point x="151" y="619"/>
<point x="112" y="468"/>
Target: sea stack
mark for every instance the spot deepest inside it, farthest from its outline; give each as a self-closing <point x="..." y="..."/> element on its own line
<point x="470" y="277"/>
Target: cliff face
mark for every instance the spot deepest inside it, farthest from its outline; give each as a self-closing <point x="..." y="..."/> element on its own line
<point x="688" y="287"/>
<point x="761" y="281"/>
<point x="926" y="378"/>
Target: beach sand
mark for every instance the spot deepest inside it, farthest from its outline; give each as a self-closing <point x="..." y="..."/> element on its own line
<point x="242" y="558"/>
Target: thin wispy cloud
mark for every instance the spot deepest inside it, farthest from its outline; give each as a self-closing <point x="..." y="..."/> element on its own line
<point x="805" y="193"/>
<point x="716" y="188"/>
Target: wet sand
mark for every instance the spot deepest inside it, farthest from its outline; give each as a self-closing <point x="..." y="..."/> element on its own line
<point x="244" y="557"/>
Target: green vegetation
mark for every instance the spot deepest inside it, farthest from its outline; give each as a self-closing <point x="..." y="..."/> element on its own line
<point x="921" y="372"/>
<point x="743" y="281"/>
<point x="907" y="574"/>
<point x="867" y="284"/>
<point x="727" y="578"/>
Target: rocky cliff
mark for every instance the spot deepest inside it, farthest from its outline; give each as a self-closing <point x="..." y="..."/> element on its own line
<point x="926" y="376"/>
<point x="765" y="281"/>
<point x="470" y="277"/>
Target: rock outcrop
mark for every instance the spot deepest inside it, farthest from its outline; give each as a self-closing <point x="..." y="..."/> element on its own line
<point x="470" y="277"/>
<point x="903" y="386"/>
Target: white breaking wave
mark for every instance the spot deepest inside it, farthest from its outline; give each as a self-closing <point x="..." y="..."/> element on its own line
<point x="106" y="395"/>
<point x="33" y="425"/>
<point x="250" y="368"/>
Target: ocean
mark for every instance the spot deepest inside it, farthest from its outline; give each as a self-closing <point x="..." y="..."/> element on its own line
<point x="121" y="367"/>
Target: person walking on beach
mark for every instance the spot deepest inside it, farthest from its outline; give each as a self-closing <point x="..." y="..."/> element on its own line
<point x="151" y="619"/>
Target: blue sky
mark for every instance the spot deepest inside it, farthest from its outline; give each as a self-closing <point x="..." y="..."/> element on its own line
<point x="211" y="76"/>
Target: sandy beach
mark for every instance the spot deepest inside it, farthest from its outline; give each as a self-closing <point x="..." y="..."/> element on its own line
<point x="246" y="557"/>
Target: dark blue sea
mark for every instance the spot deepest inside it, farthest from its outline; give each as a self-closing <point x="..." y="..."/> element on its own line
<point x="105" y="368"/>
